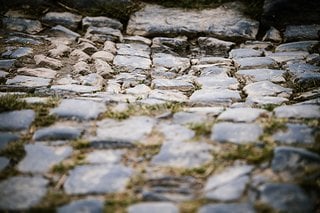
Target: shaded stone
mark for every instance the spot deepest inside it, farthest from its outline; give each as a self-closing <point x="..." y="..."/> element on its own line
<point x="155" y="207"/>
<point x="296" y="134"/>
<point x="103" y="55"/>
<point x="272" y="35"/>
<point x="75" y="88"/>
<point x="226" y="208"/>
<point x="165" y="95"/>
<point x="225" y="22"/>
<point x="134" y="49"/>
<point x="102" y="34"/>
<point x="3" y="74"/>
<point x="104" y="157"/>
<point x="87" y="48"/>
<point x="97" y="179"/>
<point x="305" y="75"/>
<point x="298" y="111"/>
<point x="132" y="62"/>
<point x="228" y="185"/>
<point x="6" y="138"/>
<point x="131" y="130"/>
<point x="66" y="19"/>
<point x="83" y="206"/>
<point x="286" y="198"/>
<point x="28" y="81"/>
<point x="214" y="96"/>
<point x="7" y="64"/>
<point x="4" y="162"/>
<point x="103" y="68"/>
<point x="297" y="46"/>
<point x="178" y="64"/>
<point x="38" y="72"/>
<point x="137" y="39"/>
<point x="183" y="155"/>
<point x="101" y="21"/>
<point x="16" y="120"/>
<point x="40" y="158"/>
<point x="189" y="118"/>
<point x="244" y="53"/>
<point x="295" y="163"/>
<point x="22" y="25"/>
<point x="217" y="82"/>
<point x="255" y="63"/>
<point x="23" y="40"/>
<point x="301" y="32"/>
<point x="79" y="109"/>
<point x="58" y="132"/>
<point x="140" y="90"/>
<point x="266" y="88"/>
<point x="80" y="55"/>
<point x="61" y="31"/>
<point x="215" y="47"/>
<point x="17" y="52"/>
<point x="242" y="114"/>
<point x="44" y="61"/>
<point x="286" y="57"/>
<point x="254" y="75"/>
<point x="60" y="51"/>
<point x="169" y="188"/>
<point x="176" y="132"/>
<point x="18" y="193"/>
<point x="167" y="45"/>
<point x="266" y="100"/>
<point x="238" y="133"/>
<point x="172" y="84"/>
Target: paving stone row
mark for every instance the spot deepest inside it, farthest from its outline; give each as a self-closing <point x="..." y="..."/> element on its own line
<point x="153" y="114"/>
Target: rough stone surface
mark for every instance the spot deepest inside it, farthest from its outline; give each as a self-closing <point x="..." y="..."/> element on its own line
<point x="215" y="47"/>
<point x="58" y="132"/>
<point x="294" y="162"/>
<point x="156" y="207"/>
<point x="172" y="84"/>
<point x="104" y="157"/>
<point x="301" y="32"/>
<point x="22" y="25"/>
<point x="97" y="179"/>
<point x="183" y="155"/>
<point x="177" y="132"/>
<point x="214" y="96"/>
<point x="101" y="21"/>
<point x="244" y="53"/>
<point x="6" y="138"/>
<point x="228" y="185"/>
<point x="82" y="206"/>
<point x="38" y="72"/>
<point x="132" y="62"/>
<point x="150" y="21"/>
<point x="237" y="133"/>
<point x="4" y="162"/>
<point x="224" y="208"/>
<point x="296" y="134"/>
<point x="28" y="81"/>
<point x="40" y="158"/>
<point x="254" y="75"/>
<point x="18" y="193"/>
<point x="267" y="88"/>
<point x="79" y="109"/>
<point x="286" y="198"/>
<point x="297" y="111"/>
<point x="131" y="130"/>
<point x="62" y="18"/>
<point x="242" y="114"/>
<point x="297" y="46"/>
<point x="255" y="63"/>
<point x="7" y="64"/>
<point x="16" y="120"/>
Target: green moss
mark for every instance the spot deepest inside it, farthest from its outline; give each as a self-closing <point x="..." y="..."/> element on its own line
<point x="80" y="144"/>
<point x="251" y="153"/>
<point x="193" y="205"/>
<point x="270" y="107"/>
<point x="201" y="129"/>
<point x="147" y="151"/>
<point x="11" y="102"/>
<point x="62" y="168"/>
<point x="14" y="151"/>
<point x="263" y="208"/>
<point x="272" y="125"/>
<point x="118" y="203"/>
<point x="53" y="199"/>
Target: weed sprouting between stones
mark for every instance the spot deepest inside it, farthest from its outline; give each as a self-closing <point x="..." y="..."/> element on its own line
<point x="201" y="129"/>
<point x="11" y="102"/>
